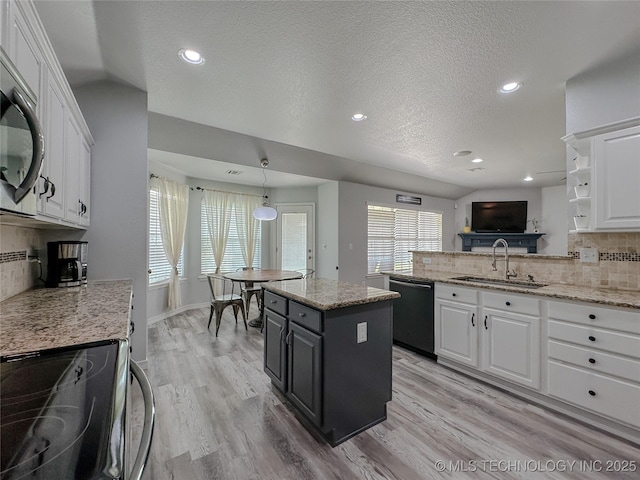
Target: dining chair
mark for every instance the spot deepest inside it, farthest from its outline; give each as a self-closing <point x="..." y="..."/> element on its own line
<point x="221" y="301"/>
<point x="306" y="272"/>
<point x="249" y="289"/>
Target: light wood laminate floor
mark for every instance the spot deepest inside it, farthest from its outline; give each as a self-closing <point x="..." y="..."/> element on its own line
<point x="219" y="418"/>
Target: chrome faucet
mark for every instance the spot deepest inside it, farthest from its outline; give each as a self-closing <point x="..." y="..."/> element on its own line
<point x="507" y="274"/>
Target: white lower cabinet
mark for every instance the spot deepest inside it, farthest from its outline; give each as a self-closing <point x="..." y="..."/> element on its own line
<point x="456" y="329"/>
<point x="495" y="333"/>
<point x="579" y="358"/>
<point x="511" y="347"/>
<point x="594" y="359"/>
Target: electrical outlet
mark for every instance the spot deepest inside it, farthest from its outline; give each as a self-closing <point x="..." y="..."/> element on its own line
<point x="362" y="332"/>
<point x="589" y="255"/>
<point x="426" y="261"/>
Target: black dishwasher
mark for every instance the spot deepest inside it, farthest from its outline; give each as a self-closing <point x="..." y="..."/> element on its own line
<point x="413" y="315"/>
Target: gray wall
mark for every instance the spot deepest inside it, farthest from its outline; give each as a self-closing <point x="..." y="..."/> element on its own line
<point x="604" y="95"/>
<point x="554" y="221"/>
<point x="118" y="235"/>
<point x="327" y="231"/>
<point x="352" y="226"/>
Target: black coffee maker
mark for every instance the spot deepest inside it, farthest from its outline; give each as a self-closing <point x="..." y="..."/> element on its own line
<point x="67" y="263"/>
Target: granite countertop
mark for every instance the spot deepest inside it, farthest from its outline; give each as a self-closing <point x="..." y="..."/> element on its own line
<point x="603" y="296"/>
<point x="57" y="317"/>
<point x="326" y="295"/>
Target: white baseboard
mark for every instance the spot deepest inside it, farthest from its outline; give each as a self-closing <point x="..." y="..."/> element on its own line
<point x="170" y="313"/>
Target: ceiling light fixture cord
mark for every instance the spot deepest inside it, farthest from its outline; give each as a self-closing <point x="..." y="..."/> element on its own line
<point x="264" y="182"/>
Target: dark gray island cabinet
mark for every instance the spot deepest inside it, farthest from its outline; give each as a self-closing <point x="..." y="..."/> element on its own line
<point x="327" y="348"/>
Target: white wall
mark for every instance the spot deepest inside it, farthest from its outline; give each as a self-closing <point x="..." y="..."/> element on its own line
<point x="327" y="231"/>
<point x="532" y="195"/>
<point x="606" y="94"/>
<point x="554" y="221"/>
<point x="118" y="235"/>
<point x="352" y="227"/>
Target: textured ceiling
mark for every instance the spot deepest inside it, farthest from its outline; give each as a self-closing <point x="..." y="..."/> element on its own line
<point x="425" y="73"/>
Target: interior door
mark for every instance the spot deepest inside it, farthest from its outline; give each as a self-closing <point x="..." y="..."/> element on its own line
<point x="295" y="236"/>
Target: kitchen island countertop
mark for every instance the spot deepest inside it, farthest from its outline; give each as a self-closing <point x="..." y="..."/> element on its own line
<point x="603" y="296"/>
<point x="326" y="294"/>
<point x="46" y="318"/>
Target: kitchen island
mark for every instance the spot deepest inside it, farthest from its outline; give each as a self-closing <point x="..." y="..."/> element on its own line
<point x="327" y="348"/>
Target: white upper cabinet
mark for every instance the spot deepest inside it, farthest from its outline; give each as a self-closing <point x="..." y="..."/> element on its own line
<point x="617" y="179"/>
<point x="63" y="188"/>
<point x="603" y="181"/>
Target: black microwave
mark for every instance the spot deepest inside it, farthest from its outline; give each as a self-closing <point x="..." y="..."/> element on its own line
<point x="21" y="141"/>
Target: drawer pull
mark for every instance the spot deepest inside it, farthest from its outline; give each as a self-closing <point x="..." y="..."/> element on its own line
<point x="592" y="393"/>
<point x="508" y="304"/>
<point x="592" y="360"/>
<point x="453" y="294"/>
<point x="302" y="314"/>
<point x="592" y="316"/>
<point x="273" y="301"/>
<point x="592" y="338"/>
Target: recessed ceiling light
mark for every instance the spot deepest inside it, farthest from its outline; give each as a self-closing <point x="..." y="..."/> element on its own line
<point x="528" y="178"/>
<point x="358" y="117"/>
<point x="462" y="153"/>
<point x="191" y="56"/>
<point x="476" y="160"/>
<point x="510" y="87"/>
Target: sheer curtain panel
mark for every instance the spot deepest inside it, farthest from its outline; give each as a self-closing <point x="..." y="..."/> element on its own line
<point x="174" y="204"/>
<point x="247" y="226"/>
<point x="219" y="207"/>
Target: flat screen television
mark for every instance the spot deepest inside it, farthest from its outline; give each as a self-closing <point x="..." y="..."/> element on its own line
<point x="504" y="217"/>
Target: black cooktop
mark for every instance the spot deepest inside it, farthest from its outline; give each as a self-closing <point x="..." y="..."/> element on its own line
<point x="60" y="414"/>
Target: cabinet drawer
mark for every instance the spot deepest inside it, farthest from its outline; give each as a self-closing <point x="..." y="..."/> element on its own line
<point x="305" y="316"/>
<point x="596" y="361"/>
<point x="624" y="320"/>
<point x="275" y="303"/>
<point x="512" y="303"/>
<point x="595" y="338"/>
<point x="601" y="394"/>
<point x="456" y="294"/>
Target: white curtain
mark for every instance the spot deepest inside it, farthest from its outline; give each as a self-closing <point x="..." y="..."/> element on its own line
<point x="174" y="205"/>
<point x="247" y="225"/>
<point x="219" y="206"/>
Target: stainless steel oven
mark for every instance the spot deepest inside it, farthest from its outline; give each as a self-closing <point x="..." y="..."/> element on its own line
<point x="63" y="414"/>
<point x="21" y="141"/>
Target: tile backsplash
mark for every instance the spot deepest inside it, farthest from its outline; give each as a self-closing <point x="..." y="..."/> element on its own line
<point x="618" y="265"/>
<point x="17" y="273"/>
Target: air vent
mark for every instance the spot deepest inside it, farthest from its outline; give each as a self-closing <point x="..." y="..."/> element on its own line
<point x="475" y="169"/>
<point x="233" y="172"/>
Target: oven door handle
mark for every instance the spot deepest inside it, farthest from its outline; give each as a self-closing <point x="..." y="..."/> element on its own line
<point x="149" y="420"/>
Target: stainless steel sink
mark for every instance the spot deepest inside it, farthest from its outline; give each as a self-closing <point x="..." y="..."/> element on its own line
<point x="497" y="281"/>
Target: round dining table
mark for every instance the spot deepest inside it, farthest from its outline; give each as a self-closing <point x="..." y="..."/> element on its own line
<point x="250" y="277"/>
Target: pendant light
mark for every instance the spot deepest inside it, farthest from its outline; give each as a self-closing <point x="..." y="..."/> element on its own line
<point x="265" y="212"/>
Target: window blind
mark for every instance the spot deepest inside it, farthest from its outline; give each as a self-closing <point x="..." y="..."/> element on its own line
<point x="233" y="259"/>
<point x="392" y="232"/>
<point x="158" y="263"/>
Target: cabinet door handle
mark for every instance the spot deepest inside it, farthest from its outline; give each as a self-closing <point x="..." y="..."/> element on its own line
<point x="53" y="190"/>
<point x="485" y="323"/>
<point x="453" y="294"/>
<point x="592" y="338"/>
<point x="473" y="316"/>
<point x="282" y="330"/>
<point x="46" y="184"/>
<point x="592" y="393"/>
<point x="508" y="304"/>
<point x="592" y="360"/>
<point x="592" y="316"/>
<point x="288" y="339"/>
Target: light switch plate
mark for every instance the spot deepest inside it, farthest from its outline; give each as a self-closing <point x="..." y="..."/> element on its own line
<point x="589" y="255"/>
<point x="362" y="332"/>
